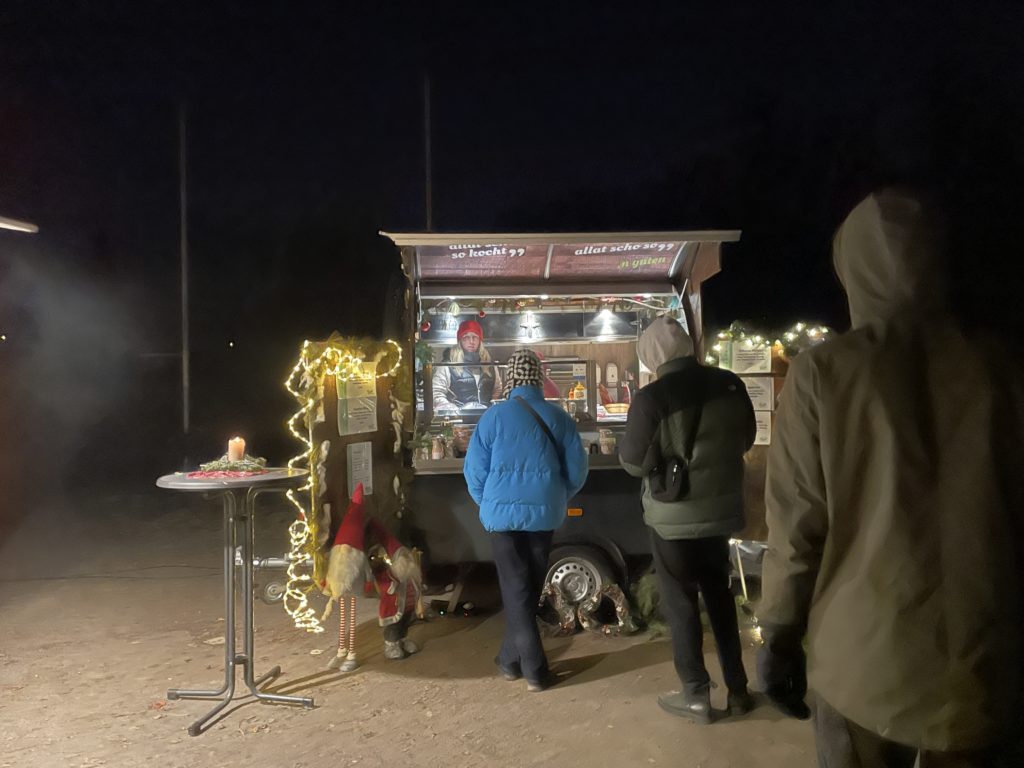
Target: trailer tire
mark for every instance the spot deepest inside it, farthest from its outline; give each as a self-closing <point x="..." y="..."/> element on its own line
<point x="272" y="592"/>
<point x="579" y="572"/>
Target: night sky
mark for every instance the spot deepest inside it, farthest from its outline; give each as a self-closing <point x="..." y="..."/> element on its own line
<point x="305" y="138"/>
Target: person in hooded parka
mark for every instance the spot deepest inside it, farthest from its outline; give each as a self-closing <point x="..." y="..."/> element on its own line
<point x="893" y="500"/>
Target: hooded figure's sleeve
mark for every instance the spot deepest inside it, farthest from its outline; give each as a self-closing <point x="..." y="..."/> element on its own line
<point x="637" y="452"/>
<point x="797" y="516"/>
<point x="795" y="502"/>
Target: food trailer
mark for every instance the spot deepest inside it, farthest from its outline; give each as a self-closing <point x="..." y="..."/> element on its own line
<point x="580" y="301"/>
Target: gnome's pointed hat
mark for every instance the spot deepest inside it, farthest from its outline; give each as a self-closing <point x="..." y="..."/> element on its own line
<point x="351" y="529"/>
<point x="346" y="564"/>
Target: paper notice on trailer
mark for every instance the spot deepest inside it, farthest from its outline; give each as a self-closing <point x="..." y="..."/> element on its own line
<point x="357" y="404"/>
<point x="761" y="391"/>
<point x="360" y="467"/>
<point x="741" y="359"/>
<point x="763" y="420"/>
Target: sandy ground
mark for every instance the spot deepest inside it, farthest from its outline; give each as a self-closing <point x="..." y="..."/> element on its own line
<point x="106" y="604"/>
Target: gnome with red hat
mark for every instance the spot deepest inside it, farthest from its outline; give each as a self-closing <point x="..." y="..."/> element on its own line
<point x="394" y="571"/>
<point x="468" y="381"/>
<point x="347" y="571"/>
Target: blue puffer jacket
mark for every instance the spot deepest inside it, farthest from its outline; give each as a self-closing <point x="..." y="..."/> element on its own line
<point x="512" y="469"/>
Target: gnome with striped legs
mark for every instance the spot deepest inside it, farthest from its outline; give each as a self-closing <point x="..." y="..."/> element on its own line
<point x="347" y="573"/>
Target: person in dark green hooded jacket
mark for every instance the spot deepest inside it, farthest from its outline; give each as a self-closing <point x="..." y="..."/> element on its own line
<point x="704" y="416"/>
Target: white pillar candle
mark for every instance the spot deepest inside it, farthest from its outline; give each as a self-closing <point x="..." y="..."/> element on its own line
<point x="236" y="449"/>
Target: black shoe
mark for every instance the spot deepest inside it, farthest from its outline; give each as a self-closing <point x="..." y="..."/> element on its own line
<point x="740" y="703"/>
<point x="793" y="707"/>
<point x="695" y="707"/>
<point x="536" y="686"/>
<point x="509" y="673"/>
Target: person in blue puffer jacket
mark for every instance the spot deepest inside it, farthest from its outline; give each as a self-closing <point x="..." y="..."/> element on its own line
<point x="524" y="463"/>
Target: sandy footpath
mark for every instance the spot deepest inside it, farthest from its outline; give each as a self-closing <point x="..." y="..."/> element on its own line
<point x="106" y="604"/>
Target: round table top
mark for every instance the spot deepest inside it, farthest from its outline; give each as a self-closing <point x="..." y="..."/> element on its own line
<point x="180" y="481"/>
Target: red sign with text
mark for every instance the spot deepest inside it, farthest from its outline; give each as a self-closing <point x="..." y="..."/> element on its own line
<point x="605" y="260"/>
<point x="467" y="262"/>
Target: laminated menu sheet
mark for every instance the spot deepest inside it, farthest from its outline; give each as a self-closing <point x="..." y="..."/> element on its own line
<point x="360" y="467"/>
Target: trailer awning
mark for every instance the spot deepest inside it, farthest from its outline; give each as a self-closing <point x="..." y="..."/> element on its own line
<point x="661" y="259"/>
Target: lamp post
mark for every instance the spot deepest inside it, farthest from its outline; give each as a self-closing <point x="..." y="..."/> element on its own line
<point x="183" y="261"/>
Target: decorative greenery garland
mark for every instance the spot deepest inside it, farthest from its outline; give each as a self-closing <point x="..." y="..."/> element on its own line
<point x="789" y="344"/>
<point x="246" y="464"/>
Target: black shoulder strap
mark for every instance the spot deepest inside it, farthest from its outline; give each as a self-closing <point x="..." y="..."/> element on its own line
<point x="545" y="428"/>
<point x="691" y="437"/>
<point x="539" y="420"/>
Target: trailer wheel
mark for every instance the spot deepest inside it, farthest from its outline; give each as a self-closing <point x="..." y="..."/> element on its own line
<point x="578" y="572"/>
<point x="272" y="592"/>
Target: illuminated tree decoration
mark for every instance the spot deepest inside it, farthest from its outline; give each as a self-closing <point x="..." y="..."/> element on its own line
<point x="342" y="358"/>
<point x="789" y="344"/>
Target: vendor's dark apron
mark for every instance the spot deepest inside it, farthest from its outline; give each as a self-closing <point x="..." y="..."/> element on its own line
<point x="464" y="388"/>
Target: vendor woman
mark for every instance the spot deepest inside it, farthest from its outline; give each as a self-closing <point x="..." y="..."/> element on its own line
<point x="458" y="385"/>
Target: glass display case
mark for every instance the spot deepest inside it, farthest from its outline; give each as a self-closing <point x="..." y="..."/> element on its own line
<point x="591" y="380"/>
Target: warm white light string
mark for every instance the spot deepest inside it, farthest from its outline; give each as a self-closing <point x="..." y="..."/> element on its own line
<point x="305" y="383"/>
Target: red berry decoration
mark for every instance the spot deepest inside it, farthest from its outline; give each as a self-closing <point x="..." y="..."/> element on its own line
<point x="425" y="326"/>
<point x="481" y="313"/>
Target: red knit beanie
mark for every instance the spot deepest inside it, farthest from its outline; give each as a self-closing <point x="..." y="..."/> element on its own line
<point x="469" y="326"/>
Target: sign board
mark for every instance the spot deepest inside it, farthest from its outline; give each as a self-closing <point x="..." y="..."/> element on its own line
<point x="761" y="390"/>
<point x="357" y="403"/>
<point x="741" y="359"/>
<point x="763" y="419"/>
<point x="359" y="461"/>
<point x="481" y="260"/>
<point x="612" y="260"/>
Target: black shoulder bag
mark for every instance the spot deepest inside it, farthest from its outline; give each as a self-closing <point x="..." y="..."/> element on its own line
<point x="670" y="479"/>
<point x="547" y="431"/>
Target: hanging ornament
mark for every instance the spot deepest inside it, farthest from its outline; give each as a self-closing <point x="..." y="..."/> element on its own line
<point x="453" y="308"/>
<point x="425" y="326"/>
<point x="481" y="313"/>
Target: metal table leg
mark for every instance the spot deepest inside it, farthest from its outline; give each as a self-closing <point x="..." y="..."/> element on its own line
<point x="237" y="525"/>
<point x="248" y="549"/>
<point x="227" y="691"/>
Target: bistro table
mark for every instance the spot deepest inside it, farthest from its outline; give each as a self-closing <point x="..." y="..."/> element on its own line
<point x="238" y="495"/>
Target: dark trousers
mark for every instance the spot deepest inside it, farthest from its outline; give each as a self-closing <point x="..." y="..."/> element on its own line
<point x="684" y="567"/>
<point x="844" y="744"/>
<point x="521" y="558"/>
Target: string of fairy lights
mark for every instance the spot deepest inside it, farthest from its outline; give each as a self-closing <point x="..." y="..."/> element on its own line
<point x="345" y="361"/>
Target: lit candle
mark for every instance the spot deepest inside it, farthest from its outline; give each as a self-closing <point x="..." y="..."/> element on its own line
<point x="236" y="449"/>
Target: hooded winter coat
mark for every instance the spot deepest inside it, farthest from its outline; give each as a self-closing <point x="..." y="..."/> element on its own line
<point x="894" y="497"/>
<point x="663" y="417"/>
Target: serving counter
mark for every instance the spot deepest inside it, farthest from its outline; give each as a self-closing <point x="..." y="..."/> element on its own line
<point x="451" y="466"/>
